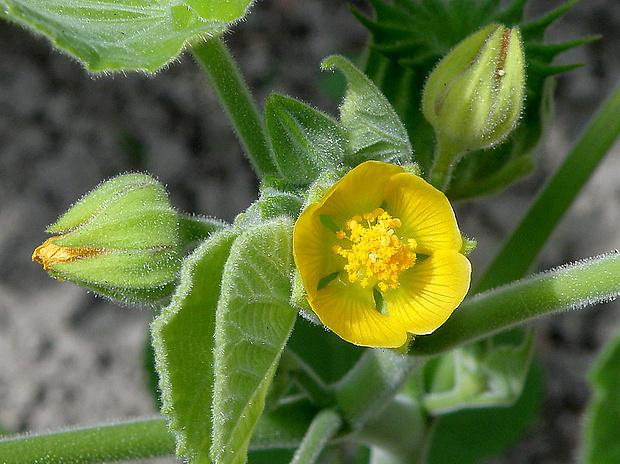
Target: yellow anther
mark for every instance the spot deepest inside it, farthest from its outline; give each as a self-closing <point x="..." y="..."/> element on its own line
<point x="376" y="256"/>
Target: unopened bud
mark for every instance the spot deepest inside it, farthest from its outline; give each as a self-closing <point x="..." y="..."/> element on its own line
<point x="474" y="97"/>
<point x="121" y="240"/>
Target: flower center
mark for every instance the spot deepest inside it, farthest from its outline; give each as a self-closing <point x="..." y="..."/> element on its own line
<point x="376" y="256"/>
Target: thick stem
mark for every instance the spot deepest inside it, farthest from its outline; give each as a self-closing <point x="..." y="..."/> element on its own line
<point x="323" y="428"/>
<point x="374" y="381"/>
<point x="138" y="439"/>
<point x="237" y="101"/>
<point x="570" y="287"/>
<point x="400" y="435"/>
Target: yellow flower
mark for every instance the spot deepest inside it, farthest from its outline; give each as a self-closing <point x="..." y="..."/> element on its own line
<point x="379" y="256"/>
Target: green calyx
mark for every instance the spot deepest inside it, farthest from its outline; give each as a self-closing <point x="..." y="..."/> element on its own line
<point x="474" y="96"/>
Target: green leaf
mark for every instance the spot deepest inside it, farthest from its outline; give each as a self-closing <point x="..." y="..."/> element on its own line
<point x="112" y="35"/>
<point x="229" y="10"/>
<point x="151" y="373"/>
<point x="305" y="141"/>
<point x="373" y="128"/>
<point x="184" y="343"/>
<point x="602" y="425"/>
<point x="253" y="323"/>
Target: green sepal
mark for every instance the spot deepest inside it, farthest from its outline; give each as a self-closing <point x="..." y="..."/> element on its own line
<point x="253" y="323"/>
<point x="107" y="193"/>
<point x="468" y="246"/>
<point x="183" y="337"/>
<point x="315" y="192"/>
<point x="456" y="436"/>
<point x="304" y="140"/>
<point x="485" y="374"/>
<point x="280" y="198"/>
<point x="128" y="225"/>
<point x="114" y="35"/>
<point x="132" y="277"/>
<point x="474" y="96"/>
<point x="299" y="300"/>
<point x="373" y="129"/>
<point x="602" y="425"/>
<point x="274" y="203"/>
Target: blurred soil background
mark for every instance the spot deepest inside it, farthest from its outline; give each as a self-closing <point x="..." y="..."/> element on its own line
<point x="69" y="358"/>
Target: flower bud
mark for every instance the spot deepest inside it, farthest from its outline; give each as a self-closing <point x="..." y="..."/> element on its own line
<point x="121" y="240"/>
<point x="473" y="98"/>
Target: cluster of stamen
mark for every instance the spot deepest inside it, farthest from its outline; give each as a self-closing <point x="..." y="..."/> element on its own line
<point x="377" y="256"/>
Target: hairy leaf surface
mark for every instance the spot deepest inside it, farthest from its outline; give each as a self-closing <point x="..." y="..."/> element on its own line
<point x="253" y="323"/>
<point x="111" y="35"/>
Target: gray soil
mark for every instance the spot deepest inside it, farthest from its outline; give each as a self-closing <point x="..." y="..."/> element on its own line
<point x="69" y="358"/>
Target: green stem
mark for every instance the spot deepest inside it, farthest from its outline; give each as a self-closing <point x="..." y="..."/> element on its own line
<point x="374" y="381"/>
<point x="517" y="255"/>
<point x="137" y="439"/>
<point x="194" y="229"/>
<point x="570" y="287"/>
<point x="399" y="435"/>
<point x="237" y="101"/>
<point x="447" y="154"/>
<point x="323" y="428"/>
<point x="318" y="392"/>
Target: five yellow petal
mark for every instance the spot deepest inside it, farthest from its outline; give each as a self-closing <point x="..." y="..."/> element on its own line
<point x="366" y="311"/>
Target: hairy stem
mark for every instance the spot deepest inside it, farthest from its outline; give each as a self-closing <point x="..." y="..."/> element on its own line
<point x="447" y="154"/>
<point x="324" y="426"/>
<point x="139" y="439"/>
<point x="368" y="388"/>
<point x="399" y="435"/>
<point x="570" y="287"/>
<point x="237" y="101"/>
